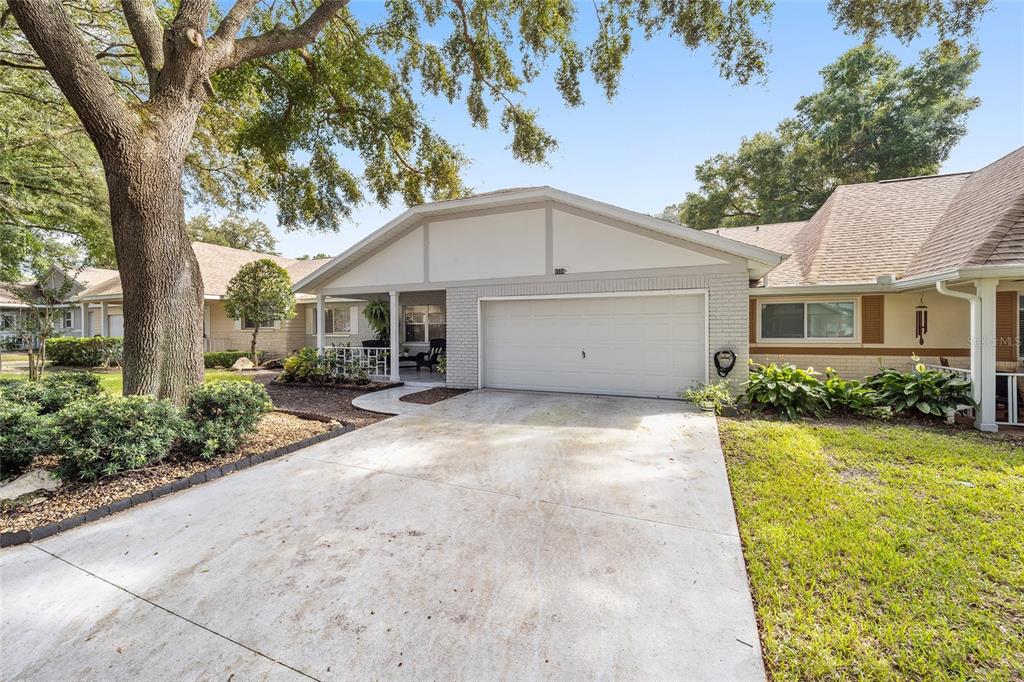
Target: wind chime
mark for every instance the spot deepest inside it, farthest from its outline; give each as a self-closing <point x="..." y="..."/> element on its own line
<point x="921" y="321"/>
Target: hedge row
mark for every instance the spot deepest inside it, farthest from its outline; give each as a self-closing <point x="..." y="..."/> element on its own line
<point x="91" y="351"/>
<point x="227" y="358"/>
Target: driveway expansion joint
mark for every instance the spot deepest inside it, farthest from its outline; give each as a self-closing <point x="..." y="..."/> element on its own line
<point x="175" y="613"/>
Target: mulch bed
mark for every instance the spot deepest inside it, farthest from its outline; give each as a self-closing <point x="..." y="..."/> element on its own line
<point x="332" y="400"/>
<point x="275" y="430"/>
<point x="432" y="395"/>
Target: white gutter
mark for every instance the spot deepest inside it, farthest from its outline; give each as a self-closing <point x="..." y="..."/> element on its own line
<point x="975" y="301"/>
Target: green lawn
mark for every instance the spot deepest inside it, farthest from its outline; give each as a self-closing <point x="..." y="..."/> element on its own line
<point x="113" y="381"/>
<point x="881" y="552"/>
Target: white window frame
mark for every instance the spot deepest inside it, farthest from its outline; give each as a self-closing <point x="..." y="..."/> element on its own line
<point x="809" y="340"/>
<point x="67" y="319"/>
<point x="426" y="325"/>
<point x="1020" y="327"/>
<point x="333" y="309"/>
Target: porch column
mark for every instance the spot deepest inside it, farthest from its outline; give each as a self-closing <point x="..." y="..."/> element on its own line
<point x="321" y="332"/>
<point x="985" y="418"/>
<point x="86" y="328"/>
<point x="104" y="321"/>
<point x="393" y="310"/>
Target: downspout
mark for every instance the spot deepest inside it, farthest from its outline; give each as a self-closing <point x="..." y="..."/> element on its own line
<point x="975" y="302"/>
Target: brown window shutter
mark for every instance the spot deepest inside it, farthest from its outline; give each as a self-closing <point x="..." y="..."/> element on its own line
<point x="1006" y="326"/>
<point x="753" y="320"/>
<point x="872" y="313"/>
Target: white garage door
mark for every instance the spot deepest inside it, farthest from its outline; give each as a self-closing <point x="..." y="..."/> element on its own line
<point x="648" y="345"/>
<point x="116" y="323"/>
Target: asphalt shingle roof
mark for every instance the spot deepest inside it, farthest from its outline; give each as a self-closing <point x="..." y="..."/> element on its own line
<point x="902" y="228"/>
<point x="217" y="264"/>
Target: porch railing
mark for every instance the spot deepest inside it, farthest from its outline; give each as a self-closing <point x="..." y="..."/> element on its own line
<point x="1010" y="398"/>
<point x="965" y="410"/>
<point x="376" y="361"/>
<point x="959" y="371"/>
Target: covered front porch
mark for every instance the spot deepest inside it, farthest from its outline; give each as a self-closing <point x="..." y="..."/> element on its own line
<point x="413" y="322"/>
<point x="996" y="368"/>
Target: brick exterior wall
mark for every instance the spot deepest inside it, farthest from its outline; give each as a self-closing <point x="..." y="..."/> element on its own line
<point x="727" y="315"/>
<point x="855" y="366"/>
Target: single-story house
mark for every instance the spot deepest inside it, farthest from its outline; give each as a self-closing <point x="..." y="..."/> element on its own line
<point x="931" y="267"/>
<point x="539" y="289"/>
<point x="100" y="306"/>
<point x="13" y="306"/>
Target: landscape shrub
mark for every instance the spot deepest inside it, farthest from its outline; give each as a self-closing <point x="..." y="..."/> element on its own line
<point x="709" y="395"/>
<point x="91" y="351"/>
<point x="925" y="390"/>
<point x="853" y="397"/>
<point x="227" y="358"/>
<point x="104" y="435"/>
<point x="307" y="365"/>
<point x="53" y="392"/>
<point x="219" y="414"/>
<point x="791" y="391"/>
<point x="22" y="391"/>
<point x="24" y="434"/>
<point x="356" y="373"/>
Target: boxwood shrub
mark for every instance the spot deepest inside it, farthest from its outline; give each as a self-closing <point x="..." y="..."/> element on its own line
<point x="220" y="413"/>
<point x="24" y="433"/>
<point x="105" y="435"/>
<point x="91" y="351"/>
<point x="227" y="358"/>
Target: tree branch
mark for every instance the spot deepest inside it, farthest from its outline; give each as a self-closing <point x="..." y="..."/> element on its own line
<point x="234" y="19"/>
<point x="74" y="68"/>
<point x="148" y="34"/>
<point x="281" y="39"/>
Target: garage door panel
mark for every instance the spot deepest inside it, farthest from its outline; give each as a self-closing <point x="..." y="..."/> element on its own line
<point x="634" y="345"/>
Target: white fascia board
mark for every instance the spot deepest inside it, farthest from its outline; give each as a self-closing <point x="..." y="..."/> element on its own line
<point x="910" y="284"/>
<point x="765" y="258"/>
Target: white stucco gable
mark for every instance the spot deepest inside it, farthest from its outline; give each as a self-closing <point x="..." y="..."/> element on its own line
<point x="520" y="235"/>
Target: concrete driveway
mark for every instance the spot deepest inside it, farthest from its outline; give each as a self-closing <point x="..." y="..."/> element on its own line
<point x="494" y="535"/>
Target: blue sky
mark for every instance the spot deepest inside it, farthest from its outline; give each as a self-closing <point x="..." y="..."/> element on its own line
<point x="673" y="111"/>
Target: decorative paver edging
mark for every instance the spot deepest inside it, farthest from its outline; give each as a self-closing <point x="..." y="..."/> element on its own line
<point x="9" y="539"/>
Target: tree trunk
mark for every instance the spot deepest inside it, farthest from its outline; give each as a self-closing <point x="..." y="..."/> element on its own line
<point x="160" y="278"/>
<point x="252" y="348"/>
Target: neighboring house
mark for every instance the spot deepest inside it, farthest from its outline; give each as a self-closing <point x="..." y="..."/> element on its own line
<point x="540" y="289"/>
<point x="12" y="308"/>
<point x="932" y="266"/>
<point x="100" y="305"/>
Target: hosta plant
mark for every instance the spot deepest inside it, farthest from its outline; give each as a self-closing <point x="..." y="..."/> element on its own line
<point x="790" y="391"/>
<point x="923" y="390"/>
<point x="853" y="397"/>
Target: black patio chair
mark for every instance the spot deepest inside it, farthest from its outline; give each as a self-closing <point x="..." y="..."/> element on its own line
<point x="429" y="358"/>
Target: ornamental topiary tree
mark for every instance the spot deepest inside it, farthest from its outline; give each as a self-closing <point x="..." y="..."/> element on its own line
<point x="260" y="291"/>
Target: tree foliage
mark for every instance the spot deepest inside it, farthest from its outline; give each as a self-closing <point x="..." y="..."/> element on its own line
<point x="260" y="291"/>
<point x="873" y="119"/>
<point x="278" y="117"/>
<point x="53" y="199"/>
<point x="235" y="231"/>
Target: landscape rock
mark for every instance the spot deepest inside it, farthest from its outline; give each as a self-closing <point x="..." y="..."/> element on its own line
<point x="242" y="363"/>
<point x="29" y="482"/>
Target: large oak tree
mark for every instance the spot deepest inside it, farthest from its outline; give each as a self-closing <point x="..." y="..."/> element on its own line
<point x="873" y="119"/>
<point x="259" y="100"/>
